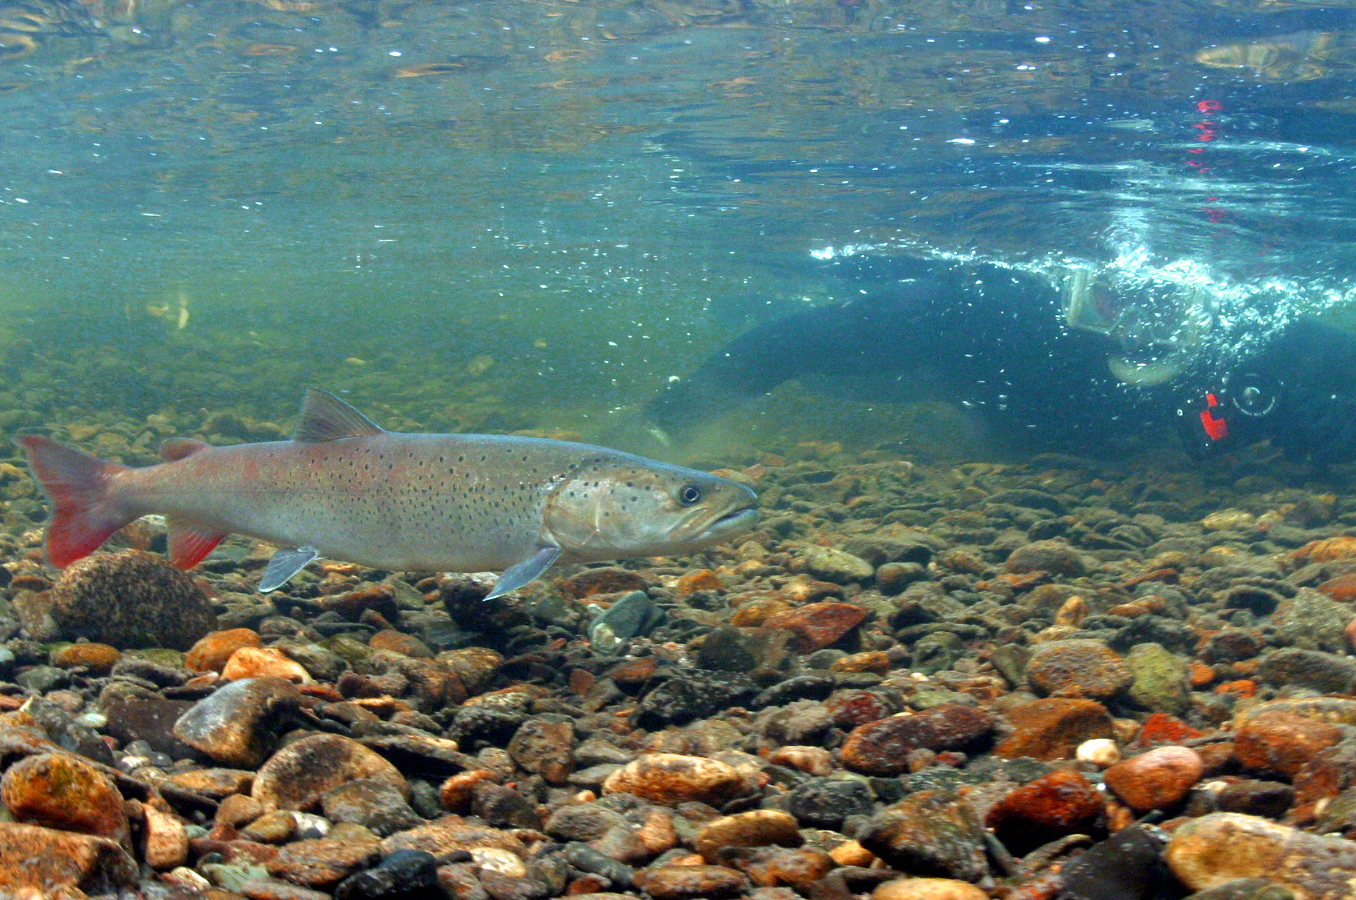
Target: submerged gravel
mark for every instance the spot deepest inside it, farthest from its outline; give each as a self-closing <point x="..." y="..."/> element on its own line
<point x="1060" y="679"/>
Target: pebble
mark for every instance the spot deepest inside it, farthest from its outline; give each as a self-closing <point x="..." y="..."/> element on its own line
<point x="633" y="615"/>
<point x="37" y="862"/>
<point x="99" y="659"/>
<point x="1049" y="807"/>
<point x="770" y="867"/>
<point x="238" y="723"/>
<point x="263" y="662"/>
<point x="1277" y="742"/>
<point x="832" y="564"/>
<point x="929" y="832"/>
<point x="219" y="783"/>
<point x="300" y="774"/>
<point x="135" y="713"/>
<point x="210" y="653"/>
<point x="698" y="580"/>
<point x="1126" y="866"/>
<point x="829" y="802"/>
<point x="818" y="625"/>
<point x="1214" y="849"/>
<point x="601" y="580"/>
<point x="756" y="828"/>
<point x="131" y="599"/>
<point x="810" y="760"/>
<point x="928" y="889"/>
<point x="544" y="748"/>
<point x="882" y="748"/>
<point x="375" y="803"/>
<point x="1315" y="670"/>
<point x="62" y="791"/>
<point x="1101" y="752"/>
<point x="238" y="809"/>
<point x="1328" y="549"/>
<point x="1155" y="779"/>
<point x="402" y="873"/>
<point x="1077" y="668"/>
<point x="691" y="882"/>
<point x="1159" y="679"/>
<point x="273" y="889"/>
<point x="1053" y="728"/>
<point x="451" y="834"/>
<point x="1054" y="557"/>
<point x="322" y="862"/>
<point x="671" y="778"/>
<point x="164" y="840"/>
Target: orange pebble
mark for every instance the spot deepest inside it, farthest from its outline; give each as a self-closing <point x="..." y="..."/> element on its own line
<point x="1244" y="687"/>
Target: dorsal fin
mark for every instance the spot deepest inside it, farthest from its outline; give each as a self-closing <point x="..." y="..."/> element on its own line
<point x="178" y="448"/>
<point x="324" y="417"/>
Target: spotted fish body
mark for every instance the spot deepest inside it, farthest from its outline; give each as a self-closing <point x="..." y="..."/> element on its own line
<point x="345" y="489"/>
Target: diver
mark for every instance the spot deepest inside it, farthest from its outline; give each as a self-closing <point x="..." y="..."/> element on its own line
<point x="1066" y="364"/>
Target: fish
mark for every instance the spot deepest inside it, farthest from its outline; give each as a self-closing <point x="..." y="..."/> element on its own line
<point x="343" y="488"/>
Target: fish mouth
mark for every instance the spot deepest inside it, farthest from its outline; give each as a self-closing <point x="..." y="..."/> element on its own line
<point x="736" y="521"/>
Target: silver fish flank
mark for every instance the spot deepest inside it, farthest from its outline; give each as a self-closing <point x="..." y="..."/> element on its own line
<point x="346" y="489"/>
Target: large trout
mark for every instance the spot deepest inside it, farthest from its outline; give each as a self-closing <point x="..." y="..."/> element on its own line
<point x="345" y="489"/>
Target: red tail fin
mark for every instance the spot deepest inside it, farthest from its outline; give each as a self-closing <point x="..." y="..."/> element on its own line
<point x="84" y="514"/>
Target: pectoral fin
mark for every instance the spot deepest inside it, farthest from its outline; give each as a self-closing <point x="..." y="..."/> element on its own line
<point x="525" y="572"/>
<point x="284" y="564"/>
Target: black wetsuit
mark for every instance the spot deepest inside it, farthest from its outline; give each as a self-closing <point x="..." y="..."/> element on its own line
<point x="995" y="341"/>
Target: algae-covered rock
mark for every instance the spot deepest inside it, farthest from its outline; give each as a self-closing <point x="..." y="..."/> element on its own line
<point x="1311" y="621"/>
<point x="1159" y="679"/>
<point x="131" y="599"/>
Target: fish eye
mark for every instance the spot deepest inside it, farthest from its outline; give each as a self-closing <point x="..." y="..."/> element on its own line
<point x="689" y="494"/>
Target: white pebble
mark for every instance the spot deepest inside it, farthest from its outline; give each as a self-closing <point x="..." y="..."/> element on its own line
<point x="1101" y="752"/>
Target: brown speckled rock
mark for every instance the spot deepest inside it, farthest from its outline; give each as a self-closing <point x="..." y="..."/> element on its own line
<point x="1277" y="742"/>
<point x="239" y="722"/>
<point x="545" y="749"/>
<point x="374" y="803"/>
<point x="1053" y="728"/>
<point x="1220" y="847"/>
<point x="1059" y="803"/>
<point x="1055" y="557"/>
<point x="1077" y="668"/>
<point x="799" y="868"/>
<point x="756" y="828"/>
<point x="62" y="791"/>
<point x="301" y="773"/>
<point x="43" y="862"/>
<point x="817" y="625"/>
<point x="691" y="882"/>
<point x="882" y="748"/>
<point x="450" y="834"/>
<point x="321" y="862"/>
<point x="131" y="599"/>
<point x="929" y="833"/>
<point x="671" y="778"/>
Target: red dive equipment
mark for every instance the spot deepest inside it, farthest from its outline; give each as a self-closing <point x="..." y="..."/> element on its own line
<point x="1208" y="423"/>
